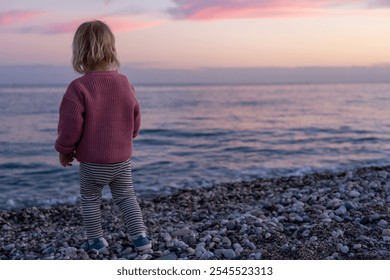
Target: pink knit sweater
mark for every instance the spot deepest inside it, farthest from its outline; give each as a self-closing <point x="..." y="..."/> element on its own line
<point x="99" y="117"/>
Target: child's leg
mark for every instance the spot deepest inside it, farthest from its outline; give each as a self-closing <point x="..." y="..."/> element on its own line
<point x="124" y="196"/>
<point x="91" y="194"/>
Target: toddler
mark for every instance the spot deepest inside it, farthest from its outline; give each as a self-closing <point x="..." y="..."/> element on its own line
<point x="99" y="117"/>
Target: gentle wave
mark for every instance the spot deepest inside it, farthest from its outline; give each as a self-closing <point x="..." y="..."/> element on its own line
<point x="196" y="136"/>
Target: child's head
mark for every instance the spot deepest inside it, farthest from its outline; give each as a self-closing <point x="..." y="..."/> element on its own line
<point x="94" y="47"/>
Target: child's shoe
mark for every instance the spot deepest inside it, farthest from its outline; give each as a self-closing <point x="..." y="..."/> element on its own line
<point x="142" y="242"/>
<point x="98" y="244"/>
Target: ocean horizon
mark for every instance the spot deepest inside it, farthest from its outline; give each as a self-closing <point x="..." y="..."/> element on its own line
<point x="200" y="135"/>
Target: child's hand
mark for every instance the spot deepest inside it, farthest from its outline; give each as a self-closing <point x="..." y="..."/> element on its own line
<point x="66" y="160"/>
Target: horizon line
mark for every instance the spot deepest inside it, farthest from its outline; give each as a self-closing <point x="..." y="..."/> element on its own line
<point x="207" y="84"/>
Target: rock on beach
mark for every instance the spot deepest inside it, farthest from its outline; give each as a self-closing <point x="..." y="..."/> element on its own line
<point x="318" y="216"/>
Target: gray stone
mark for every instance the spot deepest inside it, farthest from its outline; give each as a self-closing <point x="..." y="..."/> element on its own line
<point x="366" y="220"/>
<point x="190" y="251"/>
<point x="386" y="232"/>
<point x="168" y="257"/>
<point x="166" y="237"/>
<point x="285" y="247"/>
<point x="230" y="225"/>
<point x="127" y="251"/>
<point x="9" y="247"/>
<point x="337" y="233"/>
<point x="6" y="227"/>
<point x="226" y="242"/>
<point x="354" y="193"/>
<point x="350" y="205"/>
<point x="258" y="256"/>
<point x="333" y="203"/>
<point x="228" y="254"/>
<point x="249" y="244"/>
<point x="49" y="250"/>
<point x="313" y="239"/>
<point x="206" y="255"/>
<point x="71" y="252"/>
<point x="189" y="240"/>
<point x="341" y="211"/>
<point x="344" y="249"/>
<point x="181" y="232"/>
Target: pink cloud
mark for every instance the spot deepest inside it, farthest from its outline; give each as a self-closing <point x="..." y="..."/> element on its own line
<point x="123" y="25"/>
<point x="380" y="3"/>
<point x="117" y="24"/>
<point x="221" y="9"/>
<point x="15" y="17"/>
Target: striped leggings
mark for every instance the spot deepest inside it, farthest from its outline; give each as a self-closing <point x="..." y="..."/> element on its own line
<point x="93" y="177"/>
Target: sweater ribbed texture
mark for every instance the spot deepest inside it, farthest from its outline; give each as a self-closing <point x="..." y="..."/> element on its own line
<point x="99" y="117"/>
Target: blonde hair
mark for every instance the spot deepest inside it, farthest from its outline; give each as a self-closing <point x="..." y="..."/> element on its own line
<point x="93" y="47"/>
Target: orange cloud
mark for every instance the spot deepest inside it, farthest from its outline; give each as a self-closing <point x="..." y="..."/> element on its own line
<point x="221" y="9"/>
<point x="15" y="17"/>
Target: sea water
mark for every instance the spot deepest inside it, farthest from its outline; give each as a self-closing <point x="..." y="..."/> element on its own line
<point x="198" y="136"/>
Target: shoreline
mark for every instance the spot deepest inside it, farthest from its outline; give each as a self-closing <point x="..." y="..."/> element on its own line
<point x="319" y="216"/>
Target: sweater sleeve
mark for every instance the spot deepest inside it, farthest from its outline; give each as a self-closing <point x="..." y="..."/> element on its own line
<point x="137" y="113"/>
<point x="71" y="122"/>
<point x="137" y="120"/>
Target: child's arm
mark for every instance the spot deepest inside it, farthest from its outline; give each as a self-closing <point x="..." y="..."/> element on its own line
<point x="137" y="114"/>
<point x="66" y="160"/>
<point x="137" y="120"/>
<point x="70" y="125"/>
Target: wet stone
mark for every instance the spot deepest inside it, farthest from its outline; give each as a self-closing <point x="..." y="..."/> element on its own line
<point x="315" y="216"/>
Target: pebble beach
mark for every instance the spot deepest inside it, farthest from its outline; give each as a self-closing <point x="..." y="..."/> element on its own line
<point x="320" y="216"/>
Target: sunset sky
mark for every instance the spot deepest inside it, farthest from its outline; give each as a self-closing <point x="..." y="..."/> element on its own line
<point x="190" y="34"/>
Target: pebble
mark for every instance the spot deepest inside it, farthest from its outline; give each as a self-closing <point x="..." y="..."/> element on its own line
<point x="49" y="250"/>
<point x="190" y="251"/>
<point x="189" y="240"/>
<point x="6" y="227"/>
<point x="341" y="211"/>
<point x="71" y="252"/>
<point x="337" y="233"/>
<point x="350" y="205"/>
<point x="386" y="232"/>
<point x="354" y="193"/>
<point x="230" y="225"/>
<point x="226" y="242"/>
<point x="238" y="249"/>
<point x="166" y="237"/>
<point x="229" y="254"/>
<point x="258" y="256"/>
<point x="181" y="232"/>
<point x="302" y="216"/>
<point x="333" y="203"/>
<point x="249" y="244"/>
<point x="365" y="220"/>
<point x="206" y="255"/>
<point x="344" y="249"/>
<point x="171" y="256"/>
<point x="285" y="247"/>
<point x="313" y="239"/>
